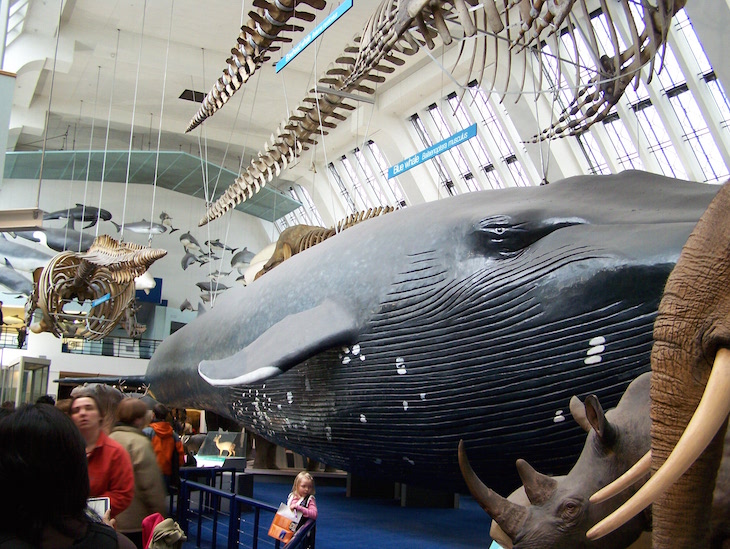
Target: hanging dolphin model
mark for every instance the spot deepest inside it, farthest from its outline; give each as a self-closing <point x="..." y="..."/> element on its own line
<point x="142" y="227"/>
<point x="475" y="317"/>
<point x="80" y="213"/>
<point x="23" y="258"/>
<point x="13" y="280"/>
<point x="60" y="240"/>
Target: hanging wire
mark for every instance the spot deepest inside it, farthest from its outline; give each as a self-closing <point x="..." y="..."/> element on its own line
<point x="73" y="174"/>
<point x="159" y="131"/>
<point x="543" y="164"/>
<point x="88" y="161"/>
<point x="48" y="112"/>
<point x="131" y="129"/>
<point x="108" y="123"/>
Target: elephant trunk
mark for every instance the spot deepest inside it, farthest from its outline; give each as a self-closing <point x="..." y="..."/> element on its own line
<point x="690" y="330"/>
<point x="509" y="516"/>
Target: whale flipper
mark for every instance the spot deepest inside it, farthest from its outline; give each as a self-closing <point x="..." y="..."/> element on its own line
<point x="293" y="339"/>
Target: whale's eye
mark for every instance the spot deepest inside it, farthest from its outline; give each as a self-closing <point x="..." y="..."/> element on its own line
<point x="507" y="236"/>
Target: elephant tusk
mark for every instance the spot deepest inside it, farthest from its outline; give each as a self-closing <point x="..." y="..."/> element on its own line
<point x="629" y="478"/>
<point x="711" y="413"/>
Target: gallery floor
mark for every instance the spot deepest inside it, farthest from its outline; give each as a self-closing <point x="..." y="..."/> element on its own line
<point x="370" y="523"/>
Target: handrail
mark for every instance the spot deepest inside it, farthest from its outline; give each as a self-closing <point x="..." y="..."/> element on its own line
<point x="306" y="533"/>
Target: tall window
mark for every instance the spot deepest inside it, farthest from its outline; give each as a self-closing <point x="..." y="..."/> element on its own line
<point x="444" y="178"/>
<point x="659" y="124"/>
<point x="306" y="214"/>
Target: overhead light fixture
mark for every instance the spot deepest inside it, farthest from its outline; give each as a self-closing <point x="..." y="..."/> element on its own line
<point x="338" y="93"/>
<point x="22" y="219"/>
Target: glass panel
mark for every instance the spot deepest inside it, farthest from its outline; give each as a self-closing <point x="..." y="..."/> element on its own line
<point x="436" y="162"/>
<point x="619" y="138"/>
<point x="356" y="185"/>
<point x="391" y="183"/>
<point x="343" y="190"/>
<point x="454" y="153"/>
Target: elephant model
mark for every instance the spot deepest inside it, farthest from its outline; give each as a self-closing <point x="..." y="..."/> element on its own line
<point x="690" y="389"/>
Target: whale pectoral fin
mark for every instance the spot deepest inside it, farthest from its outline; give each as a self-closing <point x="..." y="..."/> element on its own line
<point x="284" y="345"/>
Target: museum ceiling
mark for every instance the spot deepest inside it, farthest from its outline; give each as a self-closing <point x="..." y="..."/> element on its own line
<point x="126" y="64"/>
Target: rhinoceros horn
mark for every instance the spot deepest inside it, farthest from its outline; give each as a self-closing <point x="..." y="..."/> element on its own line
<point x="538" y="487"/>
<point x="510" y="516"/>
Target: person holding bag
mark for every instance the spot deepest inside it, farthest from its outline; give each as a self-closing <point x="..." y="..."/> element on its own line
<point x="300" y="504"/>
<point x="301" y="498"/>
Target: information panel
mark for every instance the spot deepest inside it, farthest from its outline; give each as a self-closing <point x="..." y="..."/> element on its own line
<point x="433" y="150"/>
<point x="314" y="34"/>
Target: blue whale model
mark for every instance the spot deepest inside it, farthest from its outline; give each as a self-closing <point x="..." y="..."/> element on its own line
<point x="474" y="317"/>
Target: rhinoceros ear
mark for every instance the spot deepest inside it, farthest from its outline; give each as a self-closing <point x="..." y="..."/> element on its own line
<point x="578" y="411"/>
<point x="594" y="413"/>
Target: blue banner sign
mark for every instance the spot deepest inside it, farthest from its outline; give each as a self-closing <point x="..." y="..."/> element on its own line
<point x="313" y="35"/>
<point x="433" y="150"/>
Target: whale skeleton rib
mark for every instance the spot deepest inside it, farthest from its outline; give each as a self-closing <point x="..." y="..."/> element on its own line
<point x="400" y="28"/>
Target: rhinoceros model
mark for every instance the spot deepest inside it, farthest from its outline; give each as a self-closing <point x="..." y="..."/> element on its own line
<point x="555" y="512"/>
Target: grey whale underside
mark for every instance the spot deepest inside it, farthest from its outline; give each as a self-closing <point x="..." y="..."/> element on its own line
<point x="474" y="317"/>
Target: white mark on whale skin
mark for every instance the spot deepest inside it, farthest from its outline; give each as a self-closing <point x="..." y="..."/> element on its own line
<point x="356" y="349"/>
<point x="423" y="396"/>
<point x="400" y="366"/>
<point x="363" y="419"/>
<point x="596" y="348"/>
<point x="408" y="460"/>
<point x="290" y="397"/>
<point x="328" y="433"/>
<point x="599" y="340"/>
<point x="346" y="360"/>
<point x="405" y="405"/>
<point x="559" y="417"/>
<point x="362" y="358"/>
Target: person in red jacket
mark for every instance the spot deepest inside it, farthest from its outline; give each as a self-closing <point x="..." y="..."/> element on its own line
<point x="110" y="467"/>
<point x="166" y="444"/>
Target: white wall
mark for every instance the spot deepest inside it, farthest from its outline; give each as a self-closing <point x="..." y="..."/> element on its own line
<point x="236" y="229"/>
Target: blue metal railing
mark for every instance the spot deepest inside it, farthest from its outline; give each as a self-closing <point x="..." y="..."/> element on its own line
<point x="239" y="521"/>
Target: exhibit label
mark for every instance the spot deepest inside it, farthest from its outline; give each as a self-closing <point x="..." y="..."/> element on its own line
<point x="313" y="35"/>
<point x="433" y="150"/>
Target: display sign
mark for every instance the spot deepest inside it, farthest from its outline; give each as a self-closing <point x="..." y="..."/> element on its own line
<point x="313" y="35"/>
<point x="433" y="150"/>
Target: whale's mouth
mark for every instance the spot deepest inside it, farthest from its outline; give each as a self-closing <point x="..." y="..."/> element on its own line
<point x="283" y="345"/>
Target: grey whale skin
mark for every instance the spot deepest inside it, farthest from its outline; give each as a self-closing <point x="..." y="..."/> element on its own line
<point x="475" y="317"/>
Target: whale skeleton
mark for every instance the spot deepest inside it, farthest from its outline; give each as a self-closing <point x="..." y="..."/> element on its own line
<point x="401" y="27"/>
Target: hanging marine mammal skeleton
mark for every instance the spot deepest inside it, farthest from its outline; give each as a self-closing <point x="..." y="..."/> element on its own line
<point x="103" y="276"/>
<point x="404" y="26"/>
